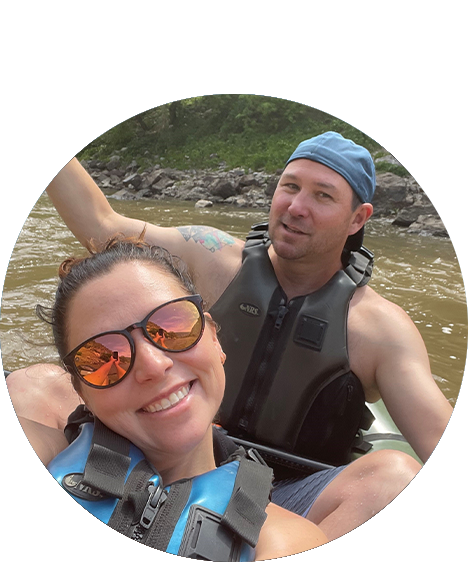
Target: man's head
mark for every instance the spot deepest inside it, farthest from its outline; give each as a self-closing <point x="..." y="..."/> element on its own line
<point x="342" y="155"/>
<point x="323" y="198"/>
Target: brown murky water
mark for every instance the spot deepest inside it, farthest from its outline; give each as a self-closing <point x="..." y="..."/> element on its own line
<point x="421" y="274"/>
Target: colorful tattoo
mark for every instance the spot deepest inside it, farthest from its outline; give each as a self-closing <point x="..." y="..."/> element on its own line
<point x="210" y="238"/>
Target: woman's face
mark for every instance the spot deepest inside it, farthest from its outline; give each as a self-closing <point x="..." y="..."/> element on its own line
<point x="175" y="437"/>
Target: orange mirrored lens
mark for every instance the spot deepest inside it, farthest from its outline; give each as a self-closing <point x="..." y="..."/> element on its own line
<point x="104" y="360"/>
<point x="175" y="326"/>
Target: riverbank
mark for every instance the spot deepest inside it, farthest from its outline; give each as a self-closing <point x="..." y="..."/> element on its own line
<point x="398" y="198"/>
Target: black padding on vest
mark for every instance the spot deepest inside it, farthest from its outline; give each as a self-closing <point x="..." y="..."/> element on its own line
<point x="108" y="461"/>
<point x="245" y="513"/>
<point x="78" y="417"/>
<point x="224" y="446"/>
<point x="358" y="265"/>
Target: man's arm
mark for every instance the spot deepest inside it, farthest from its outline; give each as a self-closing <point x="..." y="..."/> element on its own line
<point x="398" y="370"/>
<point x="88" y="214"/>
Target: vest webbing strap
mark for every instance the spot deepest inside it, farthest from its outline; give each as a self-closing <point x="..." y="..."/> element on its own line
<point x="127" y="508"/>
<point x="245" y="513"/>
<point x="360" y="265"/>
<point x="170" y="511"/>
<point x="108" y="461"/>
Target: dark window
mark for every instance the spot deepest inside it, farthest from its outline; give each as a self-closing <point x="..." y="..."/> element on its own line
<point x="13" y="202"/>
<point x="11" y="101"/>
<point x="31" y="196"/>
<point x="31" y="102"/>
<point x="31" y="153"/>
<point x="124" y="102"/>
<point x="12" y="150"/>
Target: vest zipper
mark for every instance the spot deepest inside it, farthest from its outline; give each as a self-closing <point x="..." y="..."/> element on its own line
<point x="157" y="496"/>
<point x="261" y="372"/>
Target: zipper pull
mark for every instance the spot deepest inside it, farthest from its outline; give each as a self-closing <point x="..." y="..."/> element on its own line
<point x="281" y="313"/>
<point x="157" y="496"/>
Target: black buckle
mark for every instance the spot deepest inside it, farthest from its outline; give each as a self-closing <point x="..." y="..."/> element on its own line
<point x="206" y="539"/>
<point x="157" y="496"/>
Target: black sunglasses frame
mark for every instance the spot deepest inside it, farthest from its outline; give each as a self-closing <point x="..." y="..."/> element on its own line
<point x="69" y="363"/>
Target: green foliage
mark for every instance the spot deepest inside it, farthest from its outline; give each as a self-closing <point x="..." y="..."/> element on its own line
<point x="389" y="167"/>
<point x="236" y="130"/>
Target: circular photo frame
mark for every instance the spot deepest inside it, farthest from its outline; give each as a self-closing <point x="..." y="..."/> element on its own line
<point x="343" y="359"/>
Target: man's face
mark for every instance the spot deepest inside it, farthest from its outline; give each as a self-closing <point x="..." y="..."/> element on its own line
<point x="311" y="211"/>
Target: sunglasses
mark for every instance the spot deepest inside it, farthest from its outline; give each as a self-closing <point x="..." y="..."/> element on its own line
<point x="105" y="359"/>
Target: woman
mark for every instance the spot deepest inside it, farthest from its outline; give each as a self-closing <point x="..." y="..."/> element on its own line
<point x="156" y="382"/>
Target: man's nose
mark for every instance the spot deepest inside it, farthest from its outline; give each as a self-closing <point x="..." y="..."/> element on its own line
<point x="150" y="362"/>
<point x="298" y="205"/>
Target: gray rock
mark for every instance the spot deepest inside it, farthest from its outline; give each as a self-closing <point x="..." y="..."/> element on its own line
<point x="241" y="202"/>
<point x="113" y="163"/>
<point x="197" y="193"/>
<point x="202" y="203"/>
<point x="133" y="180"/>
<point x="223" y="188"/>
<point x="123" y="194"/>
<point x="271" y="185"/>
<point x="428" y="225"/>
<point x="402" y="199"/>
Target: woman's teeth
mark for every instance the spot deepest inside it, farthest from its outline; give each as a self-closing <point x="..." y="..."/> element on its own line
<point x="169" y="401"/>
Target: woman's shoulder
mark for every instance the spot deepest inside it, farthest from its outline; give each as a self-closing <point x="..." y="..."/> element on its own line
<point x="285" y="533"/>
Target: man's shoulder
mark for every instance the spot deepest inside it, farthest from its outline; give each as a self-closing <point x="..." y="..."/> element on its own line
<point x="371" y="314"/>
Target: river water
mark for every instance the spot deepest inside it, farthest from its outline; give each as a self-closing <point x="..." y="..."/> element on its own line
<point x="421" y="274"/>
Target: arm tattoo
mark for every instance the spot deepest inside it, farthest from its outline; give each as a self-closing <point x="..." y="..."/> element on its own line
<point x="210" y="238"/>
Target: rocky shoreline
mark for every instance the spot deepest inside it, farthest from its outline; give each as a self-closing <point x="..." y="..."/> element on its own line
<point x="397" y="198"/>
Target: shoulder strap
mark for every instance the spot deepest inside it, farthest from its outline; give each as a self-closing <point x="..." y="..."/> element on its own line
<point x="358" y="265"/>
<point x="245" y="513"/>
<point x="258" y="235"/>
<point x="108" y="461"/>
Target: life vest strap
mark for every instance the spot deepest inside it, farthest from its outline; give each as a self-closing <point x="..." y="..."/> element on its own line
<point x="245" y="513"/>
<point x="108" y="461"/>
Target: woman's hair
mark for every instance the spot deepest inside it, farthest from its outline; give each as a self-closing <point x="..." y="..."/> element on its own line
<point x="75" y="272"/>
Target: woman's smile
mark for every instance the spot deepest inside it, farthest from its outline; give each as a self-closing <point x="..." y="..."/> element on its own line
<point x="167" y="402"/>
<point x="171" y="400"/>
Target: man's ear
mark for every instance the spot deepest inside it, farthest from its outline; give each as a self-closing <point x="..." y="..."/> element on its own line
<point x="361" y="216"/>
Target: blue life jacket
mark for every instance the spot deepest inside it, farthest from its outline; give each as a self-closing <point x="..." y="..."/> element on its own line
<point x="216" y="516"/>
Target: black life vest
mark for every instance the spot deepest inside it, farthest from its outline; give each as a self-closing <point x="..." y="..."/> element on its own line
<point x="288" y="379"/>
<point x="216" y="516"/>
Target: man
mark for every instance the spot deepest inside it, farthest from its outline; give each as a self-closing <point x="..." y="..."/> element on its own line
<point x="356" y="344"/>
